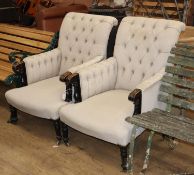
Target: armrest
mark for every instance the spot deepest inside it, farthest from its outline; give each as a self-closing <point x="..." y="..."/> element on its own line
<point x="86" y="64"/>
<point x="94" y="79"/>
<point x="42" y="66"/>
<point x="145" y="95"/>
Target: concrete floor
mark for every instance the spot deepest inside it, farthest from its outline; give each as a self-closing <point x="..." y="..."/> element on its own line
<point x="27" y="149"/>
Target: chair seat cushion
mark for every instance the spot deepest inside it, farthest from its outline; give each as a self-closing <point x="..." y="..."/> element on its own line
<point x="103" y="117"/>
<point x="42" y="99"/>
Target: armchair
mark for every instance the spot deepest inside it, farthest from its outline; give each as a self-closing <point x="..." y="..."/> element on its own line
<point x="107" y="92"/>
<point x="81" y="43"/>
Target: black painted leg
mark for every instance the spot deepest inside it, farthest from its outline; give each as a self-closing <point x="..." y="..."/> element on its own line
<point x="65" y="134"/>
<point x="57" y="126"/>
<point x="124" y="157"/>
<point x="13" y="117"/>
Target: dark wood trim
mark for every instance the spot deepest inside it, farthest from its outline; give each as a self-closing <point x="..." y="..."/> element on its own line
<point x="65" y="78"/>
<point x="124" y="157"/>
<point x="19" y="69"/>
<point x="65" y="133"/>
<point x="136" y="97"/>
<point x="13" y="116"/>
<point x="57" y="126"/>
<point x="75" y="81"/>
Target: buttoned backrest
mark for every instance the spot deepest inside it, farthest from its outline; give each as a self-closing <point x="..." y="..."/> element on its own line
<point x="83" y="37"/>
<point x="142" y="48"/>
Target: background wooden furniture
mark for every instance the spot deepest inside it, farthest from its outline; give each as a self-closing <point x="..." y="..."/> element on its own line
<point x="170" y="9"/>
<point x="176" y="91"/>
<point x="17" y="39"/>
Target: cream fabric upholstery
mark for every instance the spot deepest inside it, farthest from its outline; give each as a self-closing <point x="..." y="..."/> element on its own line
<point x="142" y="48"/>
<point x="140" y="55"/>
<point x="98" y="78"/>
<point x="82" y="42"/>
<point x="43" y="66"/>
<point x="150" y="91"/>
<point x="102" y="116"/>
<point x="41" y="99"/>
<point x="86" y="64"/>
<point x="83" y="37"/>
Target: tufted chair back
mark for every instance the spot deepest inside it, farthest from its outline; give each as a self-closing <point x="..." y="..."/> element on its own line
<point x="83" y="37"/>
<point x="142" y="48"/>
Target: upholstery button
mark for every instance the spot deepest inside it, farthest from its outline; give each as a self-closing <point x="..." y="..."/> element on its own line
<point x="76" y="39"/>
<point x="140" y="61"/>
<point x="136" y="47"/>
<point x="124" y="45"/>
<point x="39" y="63"/>
<point x="65" y="58"/>
<point x="83" y="29"/>
<point x="89" y="53"/>
<point x="151" y="64"/>
<point x="73" y="59"/>
<point x="82" y="18"/>
<point x="154" y="26"/>
<point x="132" y="22"/>
<point x="159" y="51"/>
<point x="51" y="60"/>
<point x="102" y="20"/>
<point x="133" y="35"/>
<point x="123" y="69"/>
<point x="143" y="75"/>
<point x="143" y="25"/>
<point x="70" y="49"/>
<point x="132" y="71"/>
<point x="91" y="19"/>
<point x="155" y="38"/>
<point x="92" y="30"/>
<point x="147" y="50"/>
<point x="94" y="41"/>
<point x="67" y="37"/>
<point x="80" y="51"/>
<point x="73" y="17"/>
<point x="145" y="37"/>
<point x="32" y="65"/>
<point x="86" y="40"/>
<point x="166" y="27"/>
<point x="82" y="61"/>
<point x="129" y="59"/>
<point x="74" y="27"/>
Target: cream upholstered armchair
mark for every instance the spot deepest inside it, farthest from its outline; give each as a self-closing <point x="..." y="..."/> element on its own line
<point x="126" y="84"/>
<point x="82" y="41"/>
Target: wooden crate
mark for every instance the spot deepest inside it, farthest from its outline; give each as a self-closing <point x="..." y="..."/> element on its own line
<point x="14" y="39"/>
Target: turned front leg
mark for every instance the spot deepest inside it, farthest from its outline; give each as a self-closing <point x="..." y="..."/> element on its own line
<point x="13" y="116"/>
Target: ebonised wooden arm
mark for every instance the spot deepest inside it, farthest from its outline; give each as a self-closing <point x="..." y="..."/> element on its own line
<point x="75" y="82"/>
<point x="65" y="78"/>
<point x="20" y="70"/>
<point x="136" y="97"/>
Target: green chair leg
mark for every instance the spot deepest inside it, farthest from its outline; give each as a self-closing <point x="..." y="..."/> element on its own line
<point x="147" y="157"/>
<point x="131" y="149"/>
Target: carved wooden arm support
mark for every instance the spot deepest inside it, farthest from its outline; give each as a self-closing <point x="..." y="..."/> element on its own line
<point x="76" y="89"/>
<point x="65" y="78"/>
<point x="20" y="70"/>
<point x="136" y="97"/>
